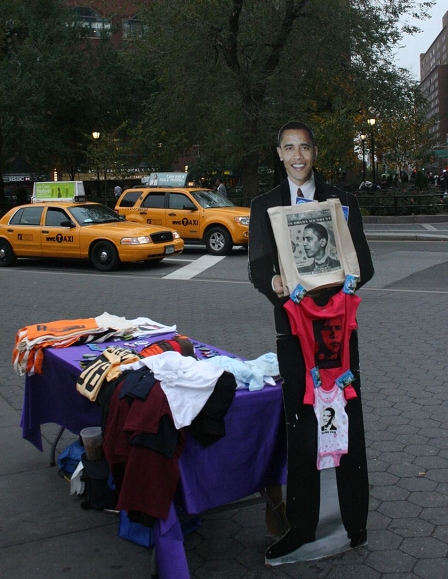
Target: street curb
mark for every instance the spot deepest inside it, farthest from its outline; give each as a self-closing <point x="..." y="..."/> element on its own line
<point x="406" y="219"/>
<point x="406" y="236"/>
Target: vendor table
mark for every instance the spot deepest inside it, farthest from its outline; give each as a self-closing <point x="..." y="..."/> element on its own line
<point x="251" y="456"/>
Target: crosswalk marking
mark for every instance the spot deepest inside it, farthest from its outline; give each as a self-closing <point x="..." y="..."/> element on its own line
<point x="195" y="268"/>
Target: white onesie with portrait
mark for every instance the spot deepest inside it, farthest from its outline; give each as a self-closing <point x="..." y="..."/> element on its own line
<point x="332" y="420"/>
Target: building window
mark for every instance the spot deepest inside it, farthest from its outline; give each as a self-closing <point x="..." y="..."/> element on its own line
<point x="132" y="28"/>
<point x="95" y="25"/>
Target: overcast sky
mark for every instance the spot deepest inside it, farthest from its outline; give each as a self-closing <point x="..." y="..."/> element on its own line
<point x="409" y="56"/>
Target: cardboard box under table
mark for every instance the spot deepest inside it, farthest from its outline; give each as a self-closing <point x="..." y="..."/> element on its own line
<point x="249" y="457"/>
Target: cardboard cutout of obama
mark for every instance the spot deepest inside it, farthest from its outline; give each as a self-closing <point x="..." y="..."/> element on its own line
<point x="298" y="152"/>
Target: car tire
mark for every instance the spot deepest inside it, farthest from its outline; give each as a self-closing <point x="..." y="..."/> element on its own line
<point x="218" y="241"/>
<point x="104" y="256"/>
<point x="7" y="255"/>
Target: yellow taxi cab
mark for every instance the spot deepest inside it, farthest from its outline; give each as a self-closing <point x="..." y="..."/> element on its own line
<point x="63" y="225"/>
<point x="199" y="215"/>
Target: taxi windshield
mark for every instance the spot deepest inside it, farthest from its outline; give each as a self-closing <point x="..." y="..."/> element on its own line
<point x="207" y="198"/>
<point x="90" y="214"/>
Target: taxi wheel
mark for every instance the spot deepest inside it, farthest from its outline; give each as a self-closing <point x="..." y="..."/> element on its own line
<point x="218" y="241"/>
<point x="104" y="256"/>
<point x="7" y="255"/>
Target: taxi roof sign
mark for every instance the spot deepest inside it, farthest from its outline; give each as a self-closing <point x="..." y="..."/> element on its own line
<point x="58" y="191"/>
<point x="169" y="179"/>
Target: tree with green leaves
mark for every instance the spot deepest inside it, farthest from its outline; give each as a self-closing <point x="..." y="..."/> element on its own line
<point x="404" y="139"/>
<point x="229" y="73"/>
<point x="38" y="68"/>
<point x="220" y="76"/>
<point x="56" y="87"/>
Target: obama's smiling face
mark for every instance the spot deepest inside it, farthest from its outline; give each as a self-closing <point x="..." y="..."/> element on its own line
<point x="298" y="153"/>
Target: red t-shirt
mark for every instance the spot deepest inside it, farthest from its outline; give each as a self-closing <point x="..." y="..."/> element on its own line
<point x="324" y="334"/>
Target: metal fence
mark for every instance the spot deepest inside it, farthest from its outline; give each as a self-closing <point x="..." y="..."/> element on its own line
<point x="386" y="202"/>
<point x="412" y="203"/>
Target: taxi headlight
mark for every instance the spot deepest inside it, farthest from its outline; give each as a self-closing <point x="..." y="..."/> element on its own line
<point x="135" y="240"/>
<point x="176" y="235"/>
<point x="243" y="220"/>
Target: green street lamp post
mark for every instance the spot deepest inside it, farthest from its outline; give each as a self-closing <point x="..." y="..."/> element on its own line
<point x="96" y="136"/>
<point x="363" y="141"/>
<point x="372" y="122"/>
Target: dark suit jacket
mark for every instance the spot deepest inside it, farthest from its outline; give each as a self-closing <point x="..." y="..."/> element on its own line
<point x="263" y="256"/>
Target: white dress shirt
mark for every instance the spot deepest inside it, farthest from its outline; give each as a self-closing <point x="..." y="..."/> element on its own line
<point x="307" y="189"/>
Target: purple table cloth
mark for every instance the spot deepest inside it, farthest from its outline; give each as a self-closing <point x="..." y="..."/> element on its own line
<point x="250" y="456"/>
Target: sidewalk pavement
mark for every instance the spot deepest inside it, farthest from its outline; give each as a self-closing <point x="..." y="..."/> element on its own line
<point x="44" y="534"/>
<point x="407" y="228"/>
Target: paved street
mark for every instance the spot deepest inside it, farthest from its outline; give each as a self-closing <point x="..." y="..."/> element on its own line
<point x="403" y="318"/>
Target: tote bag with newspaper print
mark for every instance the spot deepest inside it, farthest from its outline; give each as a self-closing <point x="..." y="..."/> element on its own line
<point x="314" y="245"/>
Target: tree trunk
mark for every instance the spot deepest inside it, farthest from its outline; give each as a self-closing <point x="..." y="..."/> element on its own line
<point x="249" y="175"/>
<point x="2" y="185"/>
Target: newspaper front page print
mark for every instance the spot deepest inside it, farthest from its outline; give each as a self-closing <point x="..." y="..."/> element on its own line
<point x="313" y="242"/>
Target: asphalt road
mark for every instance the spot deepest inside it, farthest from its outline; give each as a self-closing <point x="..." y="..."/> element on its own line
<point x="207" y="297"/>
<point x="402" y="326"/>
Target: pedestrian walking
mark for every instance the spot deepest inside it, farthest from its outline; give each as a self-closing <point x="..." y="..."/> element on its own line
<point x="117" y="191"/>
<point x="445" y="181"/>
<point x="221" y="188"/>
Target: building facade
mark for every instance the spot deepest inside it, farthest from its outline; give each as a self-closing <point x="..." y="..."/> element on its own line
<point x="434" y="84"/>
<point x="115" y="18"/>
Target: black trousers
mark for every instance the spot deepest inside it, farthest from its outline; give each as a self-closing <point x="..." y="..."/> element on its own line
<point x="303" y="482"/>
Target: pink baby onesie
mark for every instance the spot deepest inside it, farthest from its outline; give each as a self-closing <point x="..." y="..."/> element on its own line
<point x="332" y="421"/>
